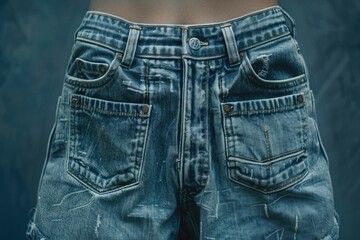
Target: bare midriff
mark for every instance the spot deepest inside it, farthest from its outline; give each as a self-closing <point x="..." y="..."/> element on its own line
<point x="179" y="11"/>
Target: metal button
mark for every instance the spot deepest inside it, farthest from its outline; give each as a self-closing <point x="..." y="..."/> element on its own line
<point x="227" y="108"/>
<point x="300" y="98"/>
<point x="194" y="43"/>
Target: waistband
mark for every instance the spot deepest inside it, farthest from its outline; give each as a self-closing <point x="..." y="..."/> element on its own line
<point x="208" y="40"/>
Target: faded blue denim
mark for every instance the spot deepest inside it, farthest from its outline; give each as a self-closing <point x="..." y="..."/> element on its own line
<point x="201" y="131"/>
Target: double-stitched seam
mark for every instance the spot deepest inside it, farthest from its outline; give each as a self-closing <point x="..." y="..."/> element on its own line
<point x="117" y="113"/>
<point x="288" y="107"/>
<point x="147" y="98"/>
<point x="131" y="46"/>
<point x="240" y="49"/>
<point x="265" y="160"/>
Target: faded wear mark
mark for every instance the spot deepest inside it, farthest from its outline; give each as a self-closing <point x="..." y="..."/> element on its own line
<point x="279" y="234"/>
<point x="84" y="199"/>
<point x="267" y="141"/>
<point x="264" y="58"/>
<point x="213" y="198"/>
<point x="82" y="152"/>
<point x="265" y="205"/>
<point x="135" y="90"/>
<point x="84" y="205"/>
<point x="152" y="211"/>
<point x="131" y="87"/>
<point x="35" y="231"/>
<point x="98" y="223"/>
<point x="32" y="226"/>
<point x="57" y="220"/>
<point x="171" y="85"/>
<point x="66" y="196"/>
<point x="296" y="226"/>
<point x="266" y="210"/>
<point x="127" y="83"/>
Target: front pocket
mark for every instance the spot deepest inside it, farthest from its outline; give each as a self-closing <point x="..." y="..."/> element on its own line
<point x="266" y="141"/>
<point x="87" y="70"/>
<point x="91" y="65"/>
<point x="107" y="142"/>
<point x="277" y="64"/>
<point x="95" y="75"/>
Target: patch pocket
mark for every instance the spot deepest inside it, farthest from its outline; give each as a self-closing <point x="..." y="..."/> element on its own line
<point x="107" y="142"/>
<point x="265" y="142"/>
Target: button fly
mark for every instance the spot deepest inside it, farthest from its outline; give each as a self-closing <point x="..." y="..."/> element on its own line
<point x="194" y="43"/>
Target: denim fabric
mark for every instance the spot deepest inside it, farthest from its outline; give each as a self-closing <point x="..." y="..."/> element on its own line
<point x="200" y="131"/>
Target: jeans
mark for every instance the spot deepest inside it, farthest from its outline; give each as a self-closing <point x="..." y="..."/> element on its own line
<point x="200" y="131"/>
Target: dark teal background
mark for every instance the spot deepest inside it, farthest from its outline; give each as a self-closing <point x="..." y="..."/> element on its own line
<point x="36" y="37"/>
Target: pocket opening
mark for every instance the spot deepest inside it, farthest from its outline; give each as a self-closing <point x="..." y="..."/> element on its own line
<point x="91" y="65"/>
<point x="269" y="177"/>
<point x="107" y="75"/>
<point x="275" y="64"/>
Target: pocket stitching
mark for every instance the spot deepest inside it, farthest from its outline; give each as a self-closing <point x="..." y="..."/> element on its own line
<point x="266" y="160"/>
<point x="270" y="110"/>
<point x="274" y="84"/>
<point x="283" y="184"/>
<point x="116" y="183"/>
<point x="253" y="77"/>
<point x="278" y="187"/>
<point x="97" y="82"/>
<point x="273" y="188"/>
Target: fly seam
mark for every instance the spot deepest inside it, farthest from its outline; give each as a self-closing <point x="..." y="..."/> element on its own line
<point x="272" y="110"/>
<point x="147" y="83"/>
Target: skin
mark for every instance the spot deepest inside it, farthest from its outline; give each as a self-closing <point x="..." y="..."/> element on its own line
<point x="179" y="11"/>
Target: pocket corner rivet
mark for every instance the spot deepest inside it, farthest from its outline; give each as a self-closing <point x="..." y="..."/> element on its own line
<point x="119" y="55"/>
<point x="145" y="109"/>
<point x="300" y="98"/>
<point x="227" y="108"/>
<point x="103" y="69"/>
<point x="74" y="99"/>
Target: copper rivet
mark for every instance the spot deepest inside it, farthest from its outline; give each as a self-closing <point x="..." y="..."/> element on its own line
<point x="145" y="109"/>
<point x="74" y="99"/>
<point x="242" y="54"/>
<point x="227" y="108"/>
<point x="300" y="98"/>
<point x="102" y="69"/>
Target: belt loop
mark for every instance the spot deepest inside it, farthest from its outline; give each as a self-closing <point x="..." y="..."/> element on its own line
<point x="292" y="21"/>
<point x="230" y="43"/>
<point x="131" y="44"/>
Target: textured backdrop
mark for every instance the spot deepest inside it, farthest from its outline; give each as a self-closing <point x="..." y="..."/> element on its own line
<point x="36" y="37"/>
